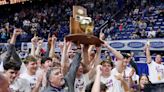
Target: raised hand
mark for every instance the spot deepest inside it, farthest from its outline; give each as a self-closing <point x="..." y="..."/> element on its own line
<point x="17" y="32"/>
<point x="102" y="36"/>
<point x="98" y="69"/>
<point x="105" y="44"/>
<point x="147" y="46"/>
<point x="34" y="40"/>
<point x="40" y="42"/>
<point x="119" y="77"/>
<point x="131" y="73"/>
<point x="54" y="38"/>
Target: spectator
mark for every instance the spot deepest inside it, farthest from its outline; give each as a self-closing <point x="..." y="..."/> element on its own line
<point x="142" y="24"/>
<point x="143" y="34"/>
<point x="151" y="34"/>
<point x="159" y="34"/>
<point x="156" y="73"/>
<point x="55" y="78"/>
<point x="144" y="79"/>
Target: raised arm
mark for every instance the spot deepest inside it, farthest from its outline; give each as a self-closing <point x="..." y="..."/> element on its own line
<point x="70" y="76"/>
<point x="13" y="40"/>
<point x="96" y="62"/>
<point x="148" y="56"/>
<point x="64" y="57"/>
<point x="116" y="53"/>
<point x="33" y="43"/>
<point x="90" y="51"/>
<point x="11" y="47"/>
<point x="96" y="85"/>
<point x="123" y="82"/>
<point x="39" y="46"/>
<point x="53" y="40"/>
<point x="85" y="59"/>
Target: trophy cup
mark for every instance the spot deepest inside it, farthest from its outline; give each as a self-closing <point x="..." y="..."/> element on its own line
<point x="81" y="28"/>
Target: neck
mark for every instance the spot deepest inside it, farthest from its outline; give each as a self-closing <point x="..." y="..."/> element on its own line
<point x="78" y="75"/>
<point x="55" y="86"/>
<point x="8" y="79"/>
<point x="158" y="62"/>
<point x="44" y="68"/>
<point x="106" y="75"/>
<point x="142" y="86"/>
<point x="31" y="73"/>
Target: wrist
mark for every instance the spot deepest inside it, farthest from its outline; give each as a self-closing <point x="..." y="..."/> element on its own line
<point x="99" y="73"/>
<point x="14" y="35"/>
<point x="38" y="84"/>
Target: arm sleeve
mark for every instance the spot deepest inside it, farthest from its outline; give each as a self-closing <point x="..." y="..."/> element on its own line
<point x="134" y="65"/>
<point x="70" y="76"/>
<point x="8" y="53"/>
<point x="48" y="51"/>
<point x="15" y="56"/>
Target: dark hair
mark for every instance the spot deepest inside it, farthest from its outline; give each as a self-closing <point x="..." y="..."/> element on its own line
<point x="11" y="64"/>
<point x="107" y="61"/>
<point x="149" y="82"/>
<point x="145" y="76"/>
<point x="44" y="59"/>
<point x="125" y="55"/>
<point x="30" y="59"/>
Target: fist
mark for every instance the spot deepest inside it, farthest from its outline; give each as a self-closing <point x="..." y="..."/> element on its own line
<point x="98" y="69"/>
<point x="105" y="44"/>
<point x="34" y="39"/>
<point x="119" y="77"/>
<point x="17" y="31"/>
<point x="54" y="38"/>
<point x="40" y="42"/>
<point x="102" y="36"/>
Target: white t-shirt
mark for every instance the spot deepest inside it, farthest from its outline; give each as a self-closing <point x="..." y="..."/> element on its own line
<point x="112" y="84"/>
<point x="20" y="85"/>
<point x="127" y="72"/>
<point x="81" y="83"/>
<point x="156" y="72"/>
<point x="41" y="72"/>
<point x="32" y="79"/>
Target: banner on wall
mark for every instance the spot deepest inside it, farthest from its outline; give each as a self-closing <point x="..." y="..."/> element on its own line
<point x="155" y="44"/>
<point x="27" y="46"/>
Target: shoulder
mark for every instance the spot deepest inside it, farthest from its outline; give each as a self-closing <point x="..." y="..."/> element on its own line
<point x="114" y="71"/>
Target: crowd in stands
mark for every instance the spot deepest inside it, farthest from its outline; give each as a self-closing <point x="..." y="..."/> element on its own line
<point x="140" y="22"/>
<point x="51" y="18"/>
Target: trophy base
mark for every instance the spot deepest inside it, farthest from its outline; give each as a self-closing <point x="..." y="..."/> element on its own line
<point x="84" y="39"/>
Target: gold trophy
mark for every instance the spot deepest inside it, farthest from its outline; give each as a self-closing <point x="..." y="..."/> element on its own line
<point x="81" y="28"/>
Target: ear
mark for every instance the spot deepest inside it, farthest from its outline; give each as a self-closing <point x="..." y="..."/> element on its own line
<point x="4" y="72"/>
